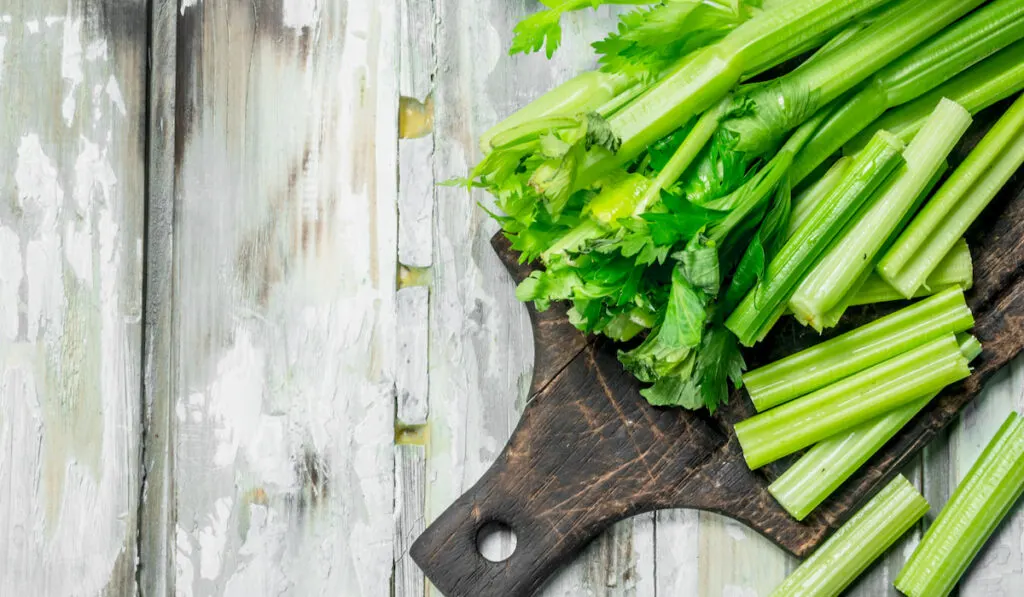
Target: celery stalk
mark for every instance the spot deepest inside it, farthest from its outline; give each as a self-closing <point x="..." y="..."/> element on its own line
<point x="980" y="502"/>
<point x="805" y="202"/>
<point x="820" y="471"/>
<point x="856" y="350"/>
<point x="868" y="171"/>
<point x="957" y="47"/>
<point x="801" y="423"/>
<point x="949" y="213"/>
<point x="858" y="543"/>
<point x="994" y="79"/>
<point x="712" y="71"/>
<point x="853" y="254"/>
<point x="832" y="317"/>
<point x="954" y="271"/>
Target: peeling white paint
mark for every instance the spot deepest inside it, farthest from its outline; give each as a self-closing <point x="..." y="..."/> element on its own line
<point x="738" y="591"/>
<point x="32" y="26"/>
<point x="93" y="172"/>
<point x="186" y="4"/>
<point x="71" y="66"/>
<point x="213" y="538"/>
<point x="3" y="45"/>
<point x="95" y="50"/>
<point x="53" y="20"/>
<point x="5" y="19"/>
<point x="10" y="282"/>
<point x="114" y="93"/>
<point x="300" y="14"/>
<point x="36" y="179"/>
<point x="184" y="573"/>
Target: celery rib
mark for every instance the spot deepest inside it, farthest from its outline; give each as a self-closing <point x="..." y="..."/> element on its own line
<point x="854" y="253"/>
<point x="858" y="543"/>
<point x="954" y="271"/>
<point x="826" y="466"/>
<point x="805" y="202"/>
<point x="801" y="423"/>
<point x="832" y="360"/>
<point x="948" y="214"/>
<point x="994" y="79"/>
<point x="869" y="170"/>
<point x="980" y="502"/>
<point x="959" y="46"/>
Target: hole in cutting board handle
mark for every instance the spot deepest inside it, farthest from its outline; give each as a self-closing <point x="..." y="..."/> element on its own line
<point x="496" y="541"/>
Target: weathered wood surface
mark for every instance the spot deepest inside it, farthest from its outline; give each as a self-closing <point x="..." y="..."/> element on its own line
<point x="280" y="206"/>
<point x="284" y="334"/>
<point x="72" y="138"/>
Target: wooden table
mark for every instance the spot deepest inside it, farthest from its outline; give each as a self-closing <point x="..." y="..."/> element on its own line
<point x="247" y="347"/>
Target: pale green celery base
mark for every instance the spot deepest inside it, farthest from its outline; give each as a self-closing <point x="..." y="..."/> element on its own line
<point x="801" y="423"/>
<point x="856" y="350"/>
<point x="980" y="502"/>
<point x="858" y="543"/>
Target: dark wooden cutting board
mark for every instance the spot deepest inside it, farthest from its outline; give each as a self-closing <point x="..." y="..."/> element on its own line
<point x="589" y="450"/>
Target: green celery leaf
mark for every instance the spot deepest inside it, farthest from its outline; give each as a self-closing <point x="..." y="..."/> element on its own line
<point x="700" y="266"/>
<point x="675" y="390"/>
<point x="718" y="361"/>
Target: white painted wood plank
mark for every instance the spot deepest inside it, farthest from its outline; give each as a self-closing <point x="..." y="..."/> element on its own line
<point x="736" y="561"/>
<point x="998" y="571"/>
<point x="481" y="351"/>
<point x="72" y="87"/>
<point x="156" y="511"/>
<point x="418" y="68"/>
<point x="285" y="265"/>
<point x="411" y="382"/>
<point x="410" y="485"/>
<point x="678" y="553"/>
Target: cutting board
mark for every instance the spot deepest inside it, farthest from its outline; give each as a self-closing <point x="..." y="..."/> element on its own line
<point x="589" y="451"/>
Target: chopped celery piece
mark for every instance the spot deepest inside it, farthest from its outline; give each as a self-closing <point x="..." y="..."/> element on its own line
<point x="954" y="271"/>
<point x="825" y="467"/>
<point x="853" y="254"/>
<point x="858" y="543"/>
<point x="996" y="78"/>
<point x="944" y="55"/>
<point x="868" y="394"/>
<point x="980" y="502"/>
<point x="805" y="202"/>
<point x="832" y="360"/>
<point x="867" y="173"/>
<point x="948" y="214"/>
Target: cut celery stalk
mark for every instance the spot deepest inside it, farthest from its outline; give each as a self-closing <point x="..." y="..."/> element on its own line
<point x="980" y="502"/>
<point x="866" y="346"/>
<point x="805" y="202"/>
<point x="868" y="172"/>
<point x="948" y="214"/>
<point x="853" y="253"/>
<point x="858" y="543"/>
<point x="994" y="79"/>
<point x="954" y="271"/>
<point x="801" y="423"/>
<point x="826" y="466"/>
<point x="832" y="316"/>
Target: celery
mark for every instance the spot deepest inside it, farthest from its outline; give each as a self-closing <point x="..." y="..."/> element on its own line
<point x="949" y="213"/>
<point x="994" y="79"/>
<point x="858" y="543"/>
<point x="853" y="254"/>
<point x="959" y="46"/>
<point x="805" y="202"/>
<point x="716" y="69"/>
<point x="868" y="171"/>
<point x="829" y="463"/>
<point x="980" y="502"/>
<point x="786" y="429"/>
<point x="954" y="271"/>
<point x="832" y="317"/>
<point x="856" y="350"/>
